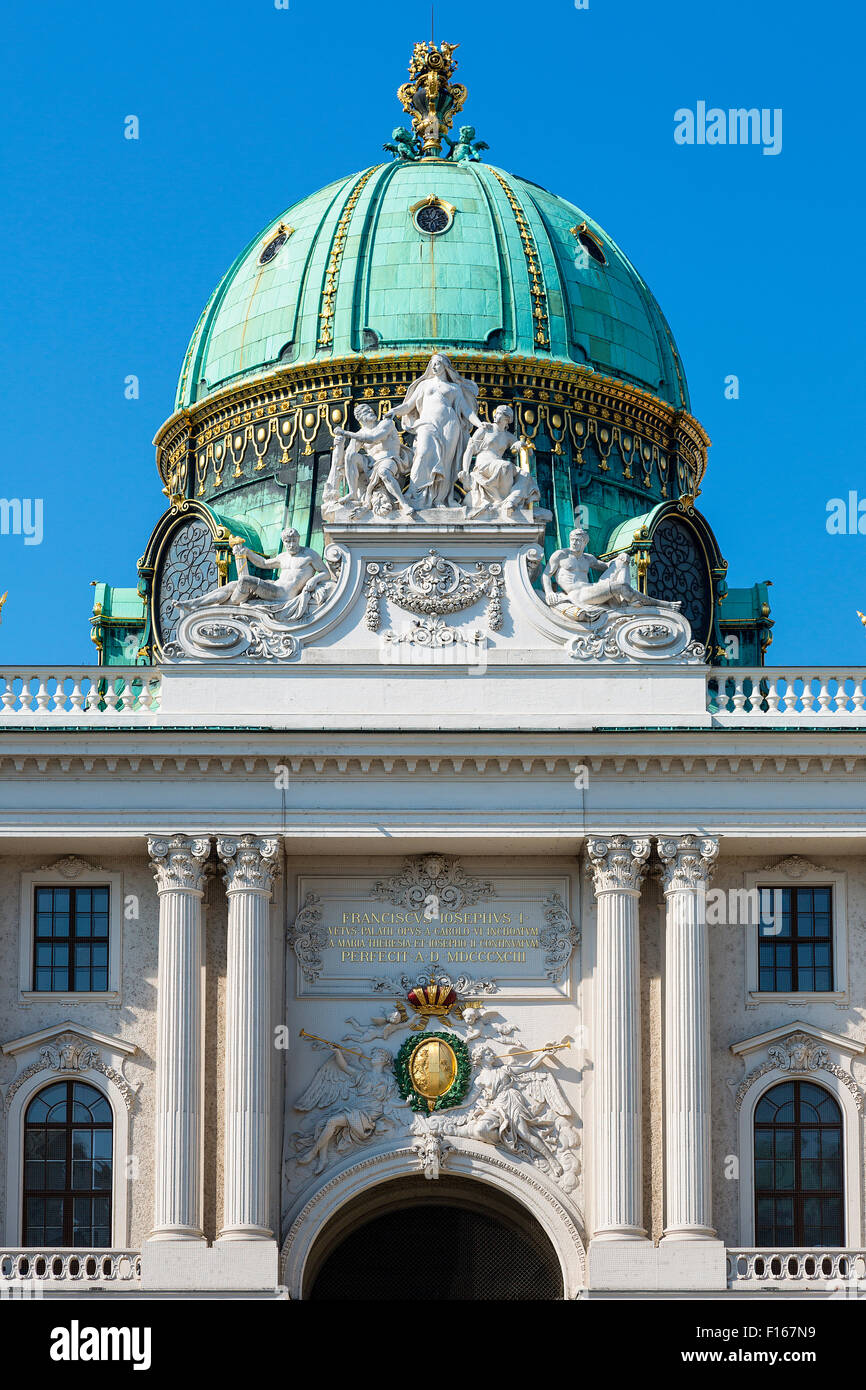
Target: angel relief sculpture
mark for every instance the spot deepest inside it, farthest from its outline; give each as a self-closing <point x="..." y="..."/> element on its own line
<point x="354" y="1100"/>
<point x="521" y="1106"/>
<point x="354" y="1103"/>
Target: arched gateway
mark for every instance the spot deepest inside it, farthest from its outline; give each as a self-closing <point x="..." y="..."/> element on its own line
<point x="448" y="1240"/>
<point x="489" y="1229"/>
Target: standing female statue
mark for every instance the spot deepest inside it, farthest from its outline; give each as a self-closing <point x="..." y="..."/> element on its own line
<point x="440" y="408"/>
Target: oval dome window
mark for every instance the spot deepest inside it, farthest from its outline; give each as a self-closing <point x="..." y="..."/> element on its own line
<point x="273" y="246"/>
<point x="590" y="243"/>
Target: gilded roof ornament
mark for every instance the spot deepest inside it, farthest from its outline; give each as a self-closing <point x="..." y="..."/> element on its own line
<point x="431" y="98"/>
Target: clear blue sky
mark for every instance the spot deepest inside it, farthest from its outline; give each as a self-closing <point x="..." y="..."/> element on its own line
<point x="110" y="247"/>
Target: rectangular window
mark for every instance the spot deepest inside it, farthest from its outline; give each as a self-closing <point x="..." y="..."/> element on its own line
<point x="70" y="939"/>
<point x="795" y="945"/>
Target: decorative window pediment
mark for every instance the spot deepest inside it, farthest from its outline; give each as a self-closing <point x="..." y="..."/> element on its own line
<point x="68" y="1049"/>
<point x="799" y="1049"/>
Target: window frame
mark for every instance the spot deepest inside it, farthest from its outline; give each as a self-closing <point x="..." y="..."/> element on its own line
<point x="84" y="878"/>
<point x="68" y="1192"/>
<point x="813" y="878"/>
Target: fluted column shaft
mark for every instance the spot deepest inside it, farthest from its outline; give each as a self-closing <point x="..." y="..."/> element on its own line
<point x="179" y="869"/>
<point x="687" y="865"/>
<point x="617" y="865"/>
<point x="250" y="866"/>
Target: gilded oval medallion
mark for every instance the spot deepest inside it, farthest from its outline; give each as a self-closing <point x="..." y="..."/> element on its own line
<point x="433" y="1068"/>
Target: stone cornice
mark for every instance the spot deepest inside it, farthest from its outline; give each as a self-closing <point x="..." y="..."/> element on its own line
<point x="81" y="757"/>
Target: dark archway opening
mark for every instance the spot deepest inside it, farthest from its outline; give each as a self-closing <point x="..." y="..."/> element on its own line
<point x="450" y="1239"/>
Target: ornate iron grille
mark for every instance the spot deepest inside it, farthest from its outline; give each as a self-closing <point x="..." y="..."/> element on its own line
<point x="678" y="570"/>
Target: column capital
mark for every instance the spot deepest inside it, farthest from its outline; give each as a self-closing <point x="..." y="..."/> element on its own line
<point x="617" y="862"/>
<point x="687" y="861"/>
<point x="179" y="862"/>
<point x="251" y="861"/>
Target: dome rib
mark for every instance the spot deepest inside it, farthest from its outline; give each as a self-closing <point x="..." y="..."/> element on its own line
<point x="360" y="316"/>
<point x="506" y="285"/>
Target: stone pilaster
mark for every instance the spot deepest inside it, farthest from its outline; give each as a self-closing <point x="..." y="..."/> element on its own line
<point x="250" y="866"/>
<point x="687" y="865"/>
<point x="179" y="865"/>
<point x="617" y="864"/>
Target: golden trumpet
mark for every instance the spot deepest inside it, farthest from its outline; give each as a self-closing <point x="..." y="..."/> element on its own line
<point x="327" y="1041"/>
<point x="550" y="1047"/>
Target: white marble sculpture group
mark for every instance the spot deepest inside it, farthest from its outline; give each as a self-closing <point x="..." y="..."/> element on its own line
<point x="461" y="477"/>
<point x="453" y="451"/>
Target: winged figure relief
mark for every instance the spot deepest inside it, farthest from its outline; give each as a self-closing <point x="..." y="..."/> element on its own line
<point x="521" y="1107"/>
<point x="353" y="1104"/>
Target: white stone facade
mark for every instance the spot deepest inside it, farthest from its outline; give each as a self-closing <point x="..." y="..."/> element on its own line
<point x="241" y="808"/>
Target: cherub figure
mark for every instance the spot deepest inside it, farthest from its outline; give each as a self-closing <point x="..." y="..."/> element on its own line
<point x="381" y="1025"/>
<point x="467" y="149"/>
<point x="403" y="144"/>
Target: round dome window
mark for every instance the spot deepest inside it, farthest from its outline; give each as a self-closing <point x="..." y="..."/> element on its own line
<point x="433" y="217"/>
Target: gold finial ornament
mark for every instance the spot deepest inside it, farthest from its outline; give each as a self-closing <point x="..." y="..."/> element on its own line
<point x="430" y="97"/>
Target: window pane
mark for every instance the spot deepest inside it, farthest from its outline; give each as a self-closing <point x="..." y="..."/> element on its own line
<point x="55" y="1175"/>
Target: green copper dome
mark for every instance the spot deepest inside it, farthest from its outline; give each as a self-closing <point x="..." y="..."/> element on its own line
<point x="503" y="266"/>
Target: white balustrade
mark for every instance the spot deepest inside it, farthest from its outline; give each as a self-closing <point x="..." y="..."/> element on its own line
<point x="85" y="693"/>
<point x="789" y="695"/>
<point x="39" y="1268"/>
<point x="806" y="1268"/>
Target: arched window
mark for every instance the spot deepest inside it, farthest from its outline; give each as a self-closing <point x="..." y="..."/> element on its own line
<point x="798" y="1167"/>
<point x="67" y="1167"/>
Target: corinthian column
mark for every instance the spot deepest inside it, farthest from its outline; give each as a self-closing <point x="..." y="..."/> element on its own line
<point x="618" y="865"/>
<point x="688" y="863"/>
<point x="250" y="866"/>
<point x="179" y="869"/>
